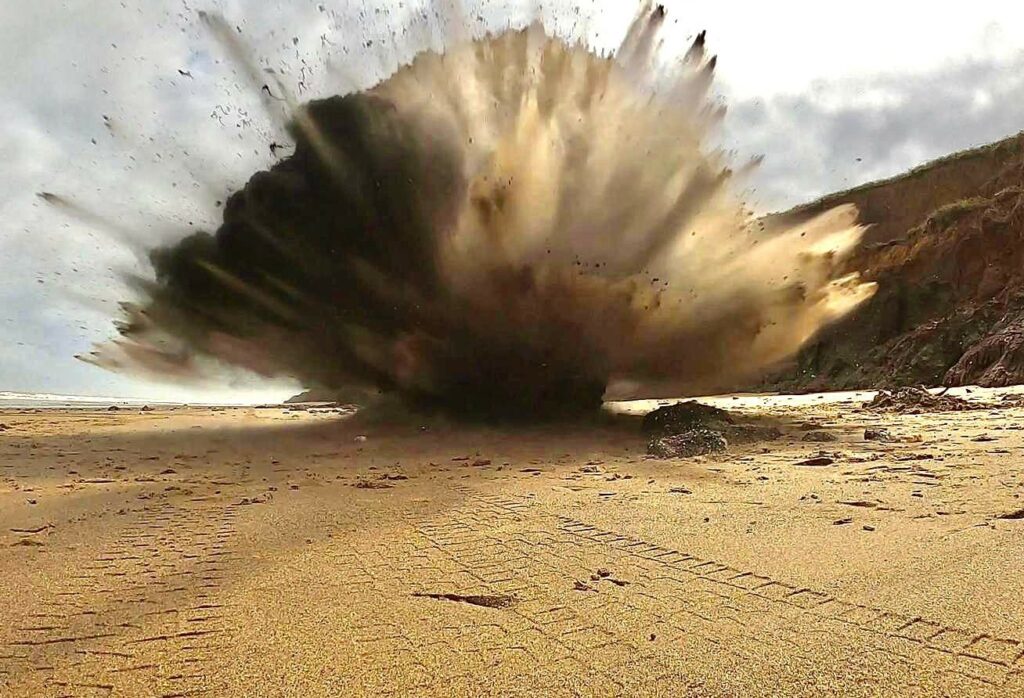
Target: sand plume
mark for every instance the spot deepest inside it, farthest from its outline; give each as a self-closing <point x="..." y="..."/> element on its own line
<point x="517" y="225"/>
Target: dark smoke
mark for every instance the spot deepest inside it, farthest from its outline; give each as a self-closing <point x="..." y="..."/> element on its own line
<point x="323" y="265"/>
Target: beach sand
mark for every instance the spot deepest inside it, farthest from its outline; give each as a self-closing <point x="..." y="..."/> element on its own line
<point x="275" y="552"/>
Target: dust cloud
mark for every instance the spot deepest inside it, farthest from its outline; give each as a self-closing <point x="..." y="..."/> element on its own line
<point x="515" y="226"/>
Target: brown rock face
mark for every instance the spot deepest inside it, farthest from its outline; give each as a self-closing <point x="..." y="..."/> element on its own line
<point x="996" y="360"/>
<point x="950" y="304"/>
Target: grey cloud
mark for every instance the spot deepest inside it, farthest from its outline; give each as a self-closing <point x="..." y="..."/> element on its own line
<point x="848" y="132"/>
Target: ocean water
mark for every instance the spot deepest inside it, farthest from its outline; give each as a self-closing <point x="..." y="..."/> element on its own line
<point x="13" y="400"/>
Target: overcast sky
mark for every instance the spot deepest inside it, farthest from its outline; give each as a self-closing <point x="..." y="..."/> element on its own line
<point x="130" y="109"/>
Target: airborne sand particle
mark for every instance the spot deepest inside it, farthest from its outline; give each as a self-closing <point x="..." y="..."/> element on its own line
<point x="517" y="226"/>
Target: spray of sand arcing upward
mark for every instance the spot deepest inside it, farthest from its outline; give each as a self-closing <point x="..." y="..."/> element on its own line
<point x="515" y="226"/>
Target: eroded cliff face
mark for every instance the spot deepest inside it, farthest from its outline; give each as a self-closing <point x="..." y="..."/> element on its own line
<point x="950" y="303"/>
<point x="894" y="206"/>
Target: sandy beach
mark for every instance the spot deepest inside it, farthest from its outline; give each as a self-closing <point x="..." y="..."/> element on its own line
<point x="307" y="552"/>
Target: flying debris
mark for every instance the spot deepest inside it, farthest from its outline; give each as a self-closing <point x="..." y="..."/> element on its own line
<point x="519" y="226"/>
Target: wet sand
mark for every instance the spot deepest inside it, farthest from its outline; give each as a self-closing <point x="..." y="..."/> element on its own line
<point x="269" y="552"/>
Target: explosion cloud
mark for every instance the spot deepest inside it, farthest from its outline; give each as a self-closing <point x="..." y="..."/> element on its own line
<point x="517" y="226"/>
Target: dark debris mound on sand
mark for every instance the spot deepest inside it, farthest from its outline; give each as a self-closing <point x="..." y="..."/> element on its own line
<point x="684" y="416"/>
<point x="691" y="428"/>
<point x="694" y="442"/>
<point x="913" y="400"/>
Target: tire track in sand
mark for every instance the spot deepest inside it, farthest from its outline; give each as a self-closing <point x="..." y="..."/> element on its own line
<point x="142" y="617"/>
